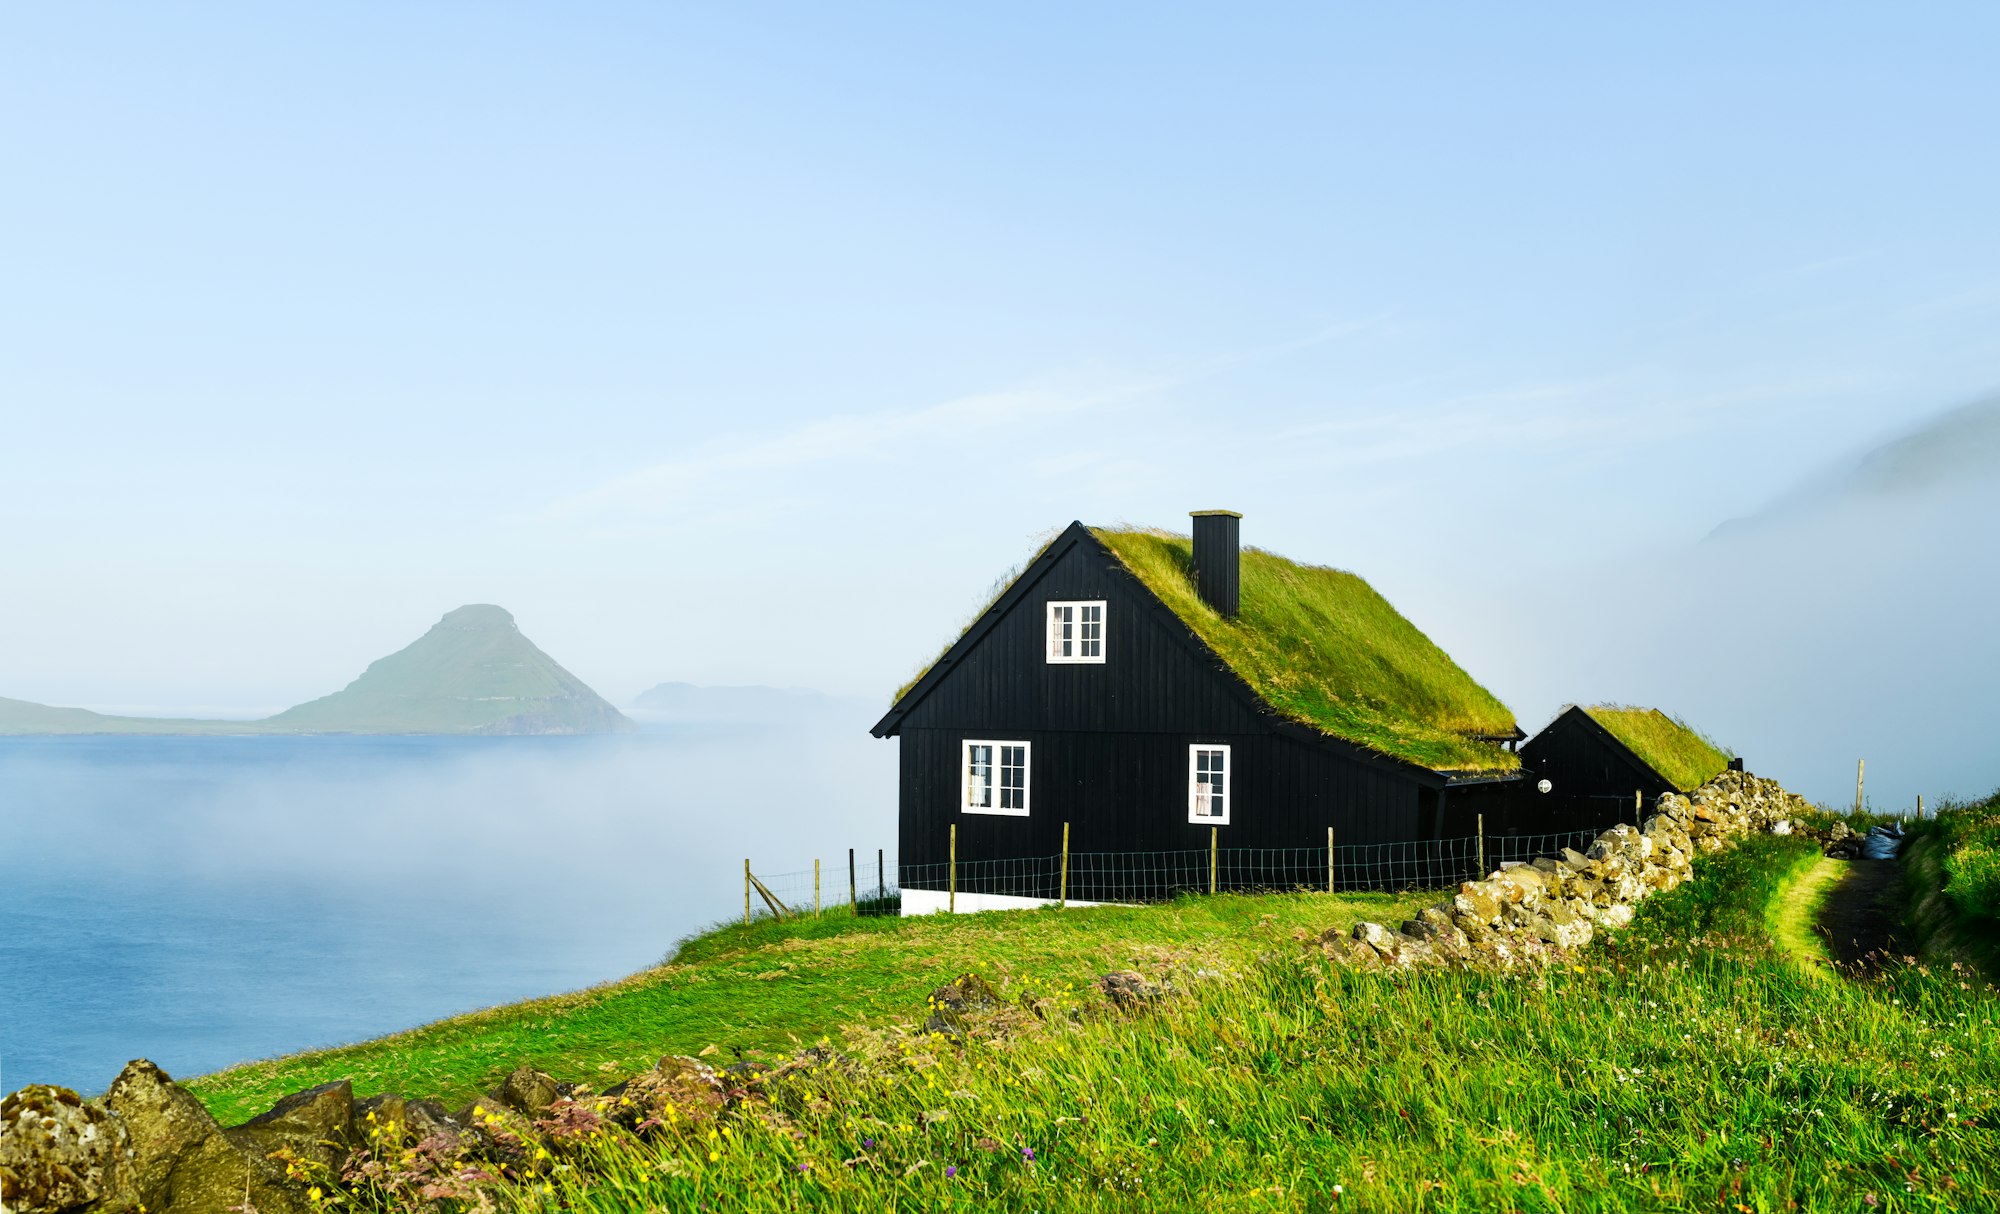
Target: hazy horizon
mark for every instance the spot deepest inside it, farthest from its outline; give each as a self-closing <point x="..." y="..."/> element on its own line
<point x="751" y="346"/>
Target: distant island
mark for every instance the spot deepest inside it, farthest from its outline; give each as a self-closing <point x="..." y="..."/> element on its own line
<point x="472" y="673"/>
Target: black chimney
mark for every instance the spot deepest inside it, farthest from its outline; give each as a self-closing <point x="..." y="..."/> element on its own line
<point x="1217" y="559"/>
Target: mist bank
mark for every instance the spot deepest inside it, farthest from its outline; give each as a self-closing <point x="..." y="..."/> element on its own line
<point x="1858" y="628"/>
<point x="202" y="900"/>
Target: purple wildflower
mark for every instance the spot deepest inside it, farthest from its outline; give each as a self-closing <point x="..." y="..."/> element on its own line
<point x="869" y="1143"/>
<point x="1028" y="1153"/>
<point x="951" y="1171"/>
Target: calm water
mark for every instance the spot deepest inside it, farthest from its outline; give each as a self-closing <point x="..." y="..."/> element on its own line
<point x="201" y="901"/>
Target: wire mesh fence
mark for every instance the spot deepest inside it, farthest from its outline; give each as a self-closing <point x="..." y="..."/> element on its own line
<point x="827" y="889"/>
<point x="1161" y="875"/>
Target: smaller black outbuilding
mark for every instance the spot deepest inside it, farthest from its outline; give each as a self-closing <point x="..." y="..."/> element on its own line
<point x="1606" y="762"/>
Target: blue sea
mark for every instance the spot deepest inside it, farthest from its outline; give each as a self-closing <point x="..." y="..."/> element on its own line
<point x="205" y="901"/>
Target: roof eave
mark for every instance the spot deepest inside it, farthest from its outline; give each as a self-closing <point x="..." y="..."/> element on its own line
<point x="893" y="719"/>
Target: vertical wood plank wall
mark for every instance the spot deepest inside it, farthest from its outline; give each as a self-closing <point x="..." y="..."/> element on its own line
<point x="1110" y="743"/>
<point x="1594" y="779"/>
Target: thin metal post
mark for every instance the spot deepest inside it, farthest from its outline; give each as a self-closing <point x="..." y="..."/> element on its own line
<point x="1329" y="859"/>
<point x="952" y="904"/>
<point x="1860" y="770"/>
<point x="1062" y="890"/>
<point x="746" y="891"/>
<point x="1481" y="876"/>
<point x="853" y="903"/>
<point x="1213" y="833"/>
<point x="815" y="885"/>
<point x="881" y="877"/>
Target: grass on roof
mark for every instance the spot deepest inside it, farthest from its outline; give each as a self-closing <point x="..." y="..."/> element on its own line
<point x="1324" y="649"/>
<point x="1667" y="744"/>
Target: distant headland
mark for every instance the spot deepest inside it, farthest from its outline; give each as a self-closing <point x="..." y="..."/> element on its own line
<point x="472" y="673"/>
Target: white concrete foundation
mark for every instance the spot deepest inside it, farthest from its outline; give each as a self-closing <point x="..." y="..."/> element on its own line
<point x="932" y="901"/>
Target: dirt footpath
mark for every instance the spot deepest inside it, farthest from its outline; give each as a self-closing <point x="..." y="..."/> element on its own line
<point x="1863" y="913"/>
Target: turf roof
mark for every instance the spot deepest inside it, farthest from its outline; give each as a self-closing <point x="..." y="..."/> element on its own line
<point x="1666" y="744"/>
<point x="1324" y="649"/>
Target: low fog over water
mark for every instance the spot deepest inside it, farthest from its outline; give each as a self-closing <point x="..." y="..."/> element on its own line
<point x="201" y="901"/>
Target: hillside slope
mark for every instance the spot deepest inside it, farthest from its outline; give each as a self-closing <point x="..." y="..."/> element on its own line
<point x="1680" y="1058"/>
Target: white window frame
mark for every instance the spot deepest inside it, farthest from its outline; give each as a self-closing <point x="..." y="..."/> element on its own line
<point x="1050" y="641"/>
<point x="1228" y="785"/>
<point x="965" y="804"/>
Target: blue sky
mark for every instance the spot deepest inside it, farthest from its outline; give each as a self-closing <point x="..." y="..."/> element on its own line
<point x="750" y="343"/>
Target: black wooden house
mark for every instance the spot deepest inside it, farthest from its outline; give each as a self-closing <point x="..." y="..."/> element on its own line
<point x="1087" y="695"/>
<point x="1608" y="762"/>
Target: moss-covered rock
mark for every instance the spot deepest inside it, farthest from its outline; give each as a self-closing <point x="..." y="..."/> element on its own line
<point x="314" y="1127"/>
<point x="59" y="1151"/>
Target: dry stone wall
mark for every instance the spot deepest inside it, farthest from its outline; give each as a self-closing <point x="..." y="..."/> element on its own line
<point x="1527" y="913"/>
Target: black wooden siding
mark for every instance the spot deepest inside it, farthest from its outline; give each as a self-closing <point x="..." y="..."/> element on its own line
<point x="1110" y="741"/>
<point x="1593" y="774"/>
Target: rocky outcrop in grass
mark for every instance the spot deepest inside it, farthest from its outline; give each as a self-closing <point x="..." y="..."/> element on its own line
<point x="1554" y="905"/>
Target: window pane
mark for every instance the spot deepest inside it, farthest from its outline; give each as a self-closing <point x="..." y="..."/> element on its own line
<point x="1209" y="788"/>
<point x="1013" y="777"/>
<point x="979" y="777"/>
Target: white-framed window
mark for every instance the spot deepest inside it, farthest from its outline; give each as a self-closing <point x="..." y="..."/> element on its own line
<point x="1209" y="793"/>
<point x="994" y="778"/>
<point x="1076" y="631"/>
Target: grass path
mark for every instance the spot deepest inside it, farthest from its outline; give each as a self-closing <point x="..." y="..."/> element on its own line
<point x="769" y="986"/>
<point x="1794" y="914"/>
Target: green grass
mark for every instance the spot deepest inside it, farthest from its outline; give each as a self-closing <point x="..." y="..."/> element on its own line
<point x="1667" y="744"/>
<point x="769" y="984"/>
<point x="1794" y="912"/>
<point x="1950" y="861"/>
<point x="1685" y="1063"/>
<point x="1324" y="649"/>
<point x="1970" y="836"/>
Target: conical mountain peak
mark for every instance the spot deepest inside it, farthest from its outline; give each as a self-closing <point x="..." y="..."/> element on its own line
<point x="478" y="617"/>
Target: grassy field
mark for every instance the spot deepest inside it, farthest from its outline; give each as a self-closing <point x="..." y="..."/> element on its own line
<point x="768" y="985"/>
<point x="1954" y="864"/>
<point x="1323" y="648"/>
<point x="1686" y="1063"/>
<point x="1667" y="743"/>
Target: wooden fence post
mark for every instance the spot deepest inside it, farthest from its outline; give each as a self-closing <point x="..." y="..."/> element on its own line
<point x="1920" y="807"/>
<point x="1329" y="859"/>
<point x="1860" y="770"/>
<point x="815" y="885"/>
<point x="1213" y="833"/>
<point x="1638" y="805"/>
<point x="952" y="904"/>
<point x="1062" y="890"/>
<point x="1481" y="820"/>
<point x="746" y="891"/>
<point x="853" y="903"/>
